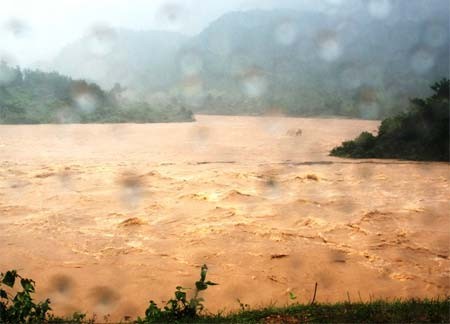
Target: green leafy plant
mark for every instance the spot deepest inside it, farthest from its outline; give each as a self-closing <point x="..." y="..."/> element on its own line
<point x="179" y="308"/>
<point x="292" y="296"/>
<point x="20" y="308"/>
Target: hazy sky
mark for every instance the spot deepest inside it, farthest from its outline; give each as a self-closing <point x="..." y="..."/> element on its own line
<point x="33" y="30"/>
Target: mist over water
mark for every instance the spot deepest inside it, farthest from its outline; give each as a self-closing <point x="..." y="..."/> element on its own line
<point x="301" y="57"/>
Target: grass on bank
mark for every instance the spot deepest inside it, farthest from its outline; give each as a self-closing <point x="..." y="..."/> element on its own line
<point x="398" y="311"/>
<point x="18" y="306"/>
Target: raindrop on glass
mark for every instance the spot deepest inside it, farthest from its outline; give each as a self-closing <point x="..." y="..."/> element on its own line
<point x="286" y="33"/>
<point x="380" y="9"/>
<point x="422" y="61"/>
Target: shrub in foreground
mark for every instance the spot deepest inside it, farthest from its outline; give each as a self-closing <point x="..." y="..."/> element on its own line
<point x="20" y="307"/>
<point x="179" y="308"/>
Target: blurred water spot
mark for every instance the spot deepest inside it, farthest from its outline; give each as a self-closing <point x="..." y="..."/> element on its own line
<point x="104" y="298"/>
<point x="192" y="85"/>
<point x="254" y="82"/>
<point x="273" y="122"/>
<point x="325" y="278"/>
<point x="61" y="284"/>
<point x="349" y="30"/>
<point x="66" y="115"/>
<point x="334" y="2"/>
<point x="131" y="190"/>
<point x="286" y="33"/>
<point x="6" y="75"/>
<point x="365" y="172"/>
<point x="101" y="40"/>
<point x="200" y="134"/>
<point x="368" y="103"/>
<point x="85" y="102"/>
<point x="220" y="44"/>
<point x="19" y="186"/>
<point x="351" y="78"/>
<point x="129" y="312"/>
<point x="192" y="91"/>
<point x="337" y="256"/>
<point x="170" y="15"/>
<point x="369" y="110"/>
<point x="191" y="64"/>
<point x="422" y="60"/>
<point x="436" y="35"/>
<point x="17" y="27"/>
<point x="7" y="58"/>
<point x="239" y="64"/>
<point x="272" y="188"/>
<point x="428" y="218"/>
<point x="328" y="45"/>
<point x="65" y="178"/>
<point x="380" y="9"/>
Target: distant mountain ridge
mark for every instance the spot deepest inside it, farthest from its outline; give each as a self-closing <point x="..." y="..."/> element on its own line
<point x="108" y="56"/>
<point x="356" y="64"/>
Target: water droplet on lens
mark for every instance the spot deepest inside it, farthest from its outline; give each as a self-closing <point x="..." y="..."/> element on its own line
<point x="66" y="115"/>
<point x="220" y="44"/>
<point x="328" y="45"/>
<point x="436" y="35"/>
<point x="190" y="64"/>
<point x="272" y="188"/>
<point x="254" y="82"/>
<point x="380" y="9"/>
<point x="368" y="103"/>
<point x="350" y="78"/>
<point x="104" y="298"/>
<point x="369" y="110"/>
<point x="7" y="74"/>
<point x="286" y="33"/>
<point x="335" y="2"/>
<point x="17" y="27"/>
<point x="200" y="136"/>
<point x="65" y="178"/>
<point x="170" y="15"/>
<point x="101" y="40"/>
<point x="131" y="190"/>
<point x="422" y="61"/>
<point x="61" y="284"/>
<point x="86" y="102"/>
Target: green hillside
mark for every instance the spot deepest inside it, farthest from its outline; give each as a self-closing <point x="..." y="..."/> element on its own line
<point x="422" y="133"/>
<point x="35" y="97"/>
<point x="300" y="63"/>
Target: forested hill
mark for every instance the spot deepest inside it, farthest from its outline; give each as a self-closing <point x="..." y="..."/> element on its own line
<point x="421" y="133"/>
<point x="34" y="97"/>
<point x="365" y="62"/>
<point x="141" y="60"/>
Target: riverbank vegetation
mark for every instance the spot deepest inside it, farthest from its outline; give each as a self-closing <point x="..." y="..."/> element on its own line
<point x="421" y="133"/>
<point x="35" y="97"/>
<point x="18" y="306"/>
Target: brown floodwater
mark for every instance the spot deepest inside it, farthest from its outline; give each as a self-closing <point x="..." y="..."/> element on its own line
<point x="106" y="217"/>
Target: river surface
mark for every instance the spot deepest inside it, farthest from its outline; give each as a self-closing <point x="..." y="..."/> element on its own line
<point x="106" y="217"/>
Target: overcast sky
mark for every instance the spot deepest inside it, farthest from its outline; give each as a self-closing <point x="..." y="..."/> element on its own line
<point x="33" y="30"/>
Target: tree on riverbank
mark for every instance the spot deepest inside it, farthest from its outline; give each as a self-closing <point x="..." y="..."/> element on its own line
<point x="422" y="133"/>
<point x="35" y="97"/>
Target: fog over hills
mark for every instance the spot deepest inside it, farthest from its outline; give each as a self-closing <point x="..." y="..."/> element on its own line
<point x="365" y="62"/>
<point x="128" y="57"/>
